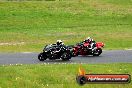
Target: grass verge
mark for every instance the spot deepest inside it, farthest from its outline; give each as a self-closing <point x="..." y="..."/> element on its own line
<point x="43" y="22"/>
<point x="58" y="75"/>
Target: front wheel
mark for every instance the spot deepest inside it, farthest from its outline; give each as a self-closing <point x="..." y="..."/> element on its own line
<point x="41" y="57"/>
<point x="66" y="56"/>
<point x="97" y="52"/>
<point x="73" y="54"/>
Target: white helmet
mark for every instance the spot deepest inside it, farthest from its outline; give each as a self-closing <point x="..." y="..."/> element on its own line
<point x="88" y="38"/>
<point x="59" y="42"/>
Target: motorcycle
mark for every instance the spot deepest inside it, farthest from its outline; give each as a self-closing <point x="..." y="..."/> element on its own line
<point x="53" y="52"/>
<point x="85" y="49"/>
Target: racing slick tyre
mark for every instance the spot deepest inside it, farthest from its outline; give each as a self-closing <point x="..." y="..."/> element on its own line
<point x="66" y="56"/>
<point x="97" y="52"/>
<point x="41" y="57"/>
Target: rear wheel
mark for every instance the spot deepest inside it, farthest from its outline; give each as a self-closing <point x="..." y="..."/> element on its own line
<point x="41" y="57"/>
<point x="66" y="56"/>
<point x="97" y="52"/>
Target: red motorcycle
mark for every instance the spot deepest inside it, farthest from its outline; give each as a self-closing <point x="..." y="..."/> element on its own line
<point x="85" y="49"/>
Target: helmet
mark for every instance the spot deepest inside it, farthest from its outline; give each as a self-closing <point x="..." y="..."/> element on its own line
<point x="88" y="38"/>
<point x="59" y="42"/>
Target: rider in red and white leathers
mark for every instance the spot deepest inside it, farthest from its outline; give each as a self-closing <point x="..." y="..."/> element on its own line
<point x="91" y="42"/>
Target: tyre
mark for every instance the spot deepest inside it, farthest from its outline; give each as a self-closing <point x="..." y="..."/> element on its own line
<point x="73" y="54"/>
<point x="97" y="52"/>
<point x="66" y="56"/>
<point x="41" y="57"/>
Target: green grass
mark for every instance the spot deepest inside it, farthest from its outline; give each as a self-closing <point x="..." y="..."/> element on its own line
<point x="43" y="22"/>
<point x="58" y="75"/>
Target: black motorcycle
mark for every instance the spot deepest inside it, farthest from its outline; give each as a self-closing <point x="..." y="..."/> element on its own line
<point x="54" y="51"/>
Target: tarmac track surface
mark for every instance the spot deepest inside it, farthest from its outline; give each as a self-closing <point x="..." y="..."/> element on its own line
<point x="110" y="56"/>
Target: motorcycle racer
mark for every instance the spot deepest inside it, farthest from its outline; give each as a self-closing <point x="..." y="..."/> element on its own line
<point x="60" y="45"/>
<point x="55" y="51"/>
<point x="91" y="42"/>
<point x="93" y="45"/>
<point x="88" y="47"/>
